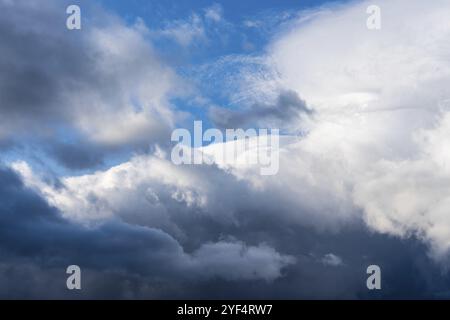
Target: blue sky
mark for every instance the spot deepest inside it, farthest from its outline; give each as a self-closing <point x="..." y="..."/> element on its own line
<point x="157" y="12"/>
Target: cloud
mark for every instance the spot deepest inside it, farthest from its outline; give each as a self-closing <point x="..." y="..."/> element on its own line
<point x="376" y="142"/>
<point x="185" y="32"/>
<point x="331" y="260"/>
<point x="214" y="13"/>
<point x="76" y="156"/>
<point x="162" y="192"/>
<point x="35" y="232"/>
<point x="194" y="30"/>
<point x="288" y="107"/>
<point x="126" y="257"/>
<point x="410" y="197"/>
<point x="243" y="80"/>
<point x="235" y="261"/>
<point x="375" y="147"/>
<point x="103" y="83"/>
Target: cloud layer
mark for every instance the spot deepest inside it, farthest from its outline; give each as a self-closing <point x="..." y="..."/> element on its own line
<point x="366" y="182"/>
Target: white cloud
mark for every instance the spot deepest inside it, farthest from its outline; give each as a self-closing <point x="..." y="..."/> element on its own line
<point x="376" y="146"/>
<point x="140" y="109"/>
<point x="378" y="121"/>
<point x="185" y="32"/>
<point x="214" y="13"/>
<point x="195" y="29"/>
<point x="234" y="261"/>
<point x="331" y="259"/>
<point x="149" y="190"/>
<point x="412" y="196"/>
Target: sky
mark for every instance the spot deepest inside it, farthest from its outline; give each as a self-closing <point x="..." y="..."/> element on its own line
<point x="87" y="119"/>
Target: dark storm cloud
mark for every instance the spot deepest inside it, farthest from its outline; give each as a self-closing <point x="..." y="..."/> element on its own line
<point x="119" y="260"/>
<point x="288" y="108"/>
<point x="37" y="243"/>
<point x="33" y="231"/>
<point x="407" y="271"/>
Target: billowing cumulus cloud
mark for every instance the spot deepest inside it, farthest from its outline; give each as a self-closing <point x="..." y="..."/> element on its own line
<point x="380" y="112"/>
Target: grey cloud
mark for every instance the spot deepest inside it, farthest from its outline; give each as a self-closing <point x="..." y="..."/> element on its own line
<point x="289" y="107"/>
<point x="331" y="260"/>
<point x="34" y="238"/>
<point x="234" y="261"/>
<point x="52" y="79"/>
<point x="77" y="156"/>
